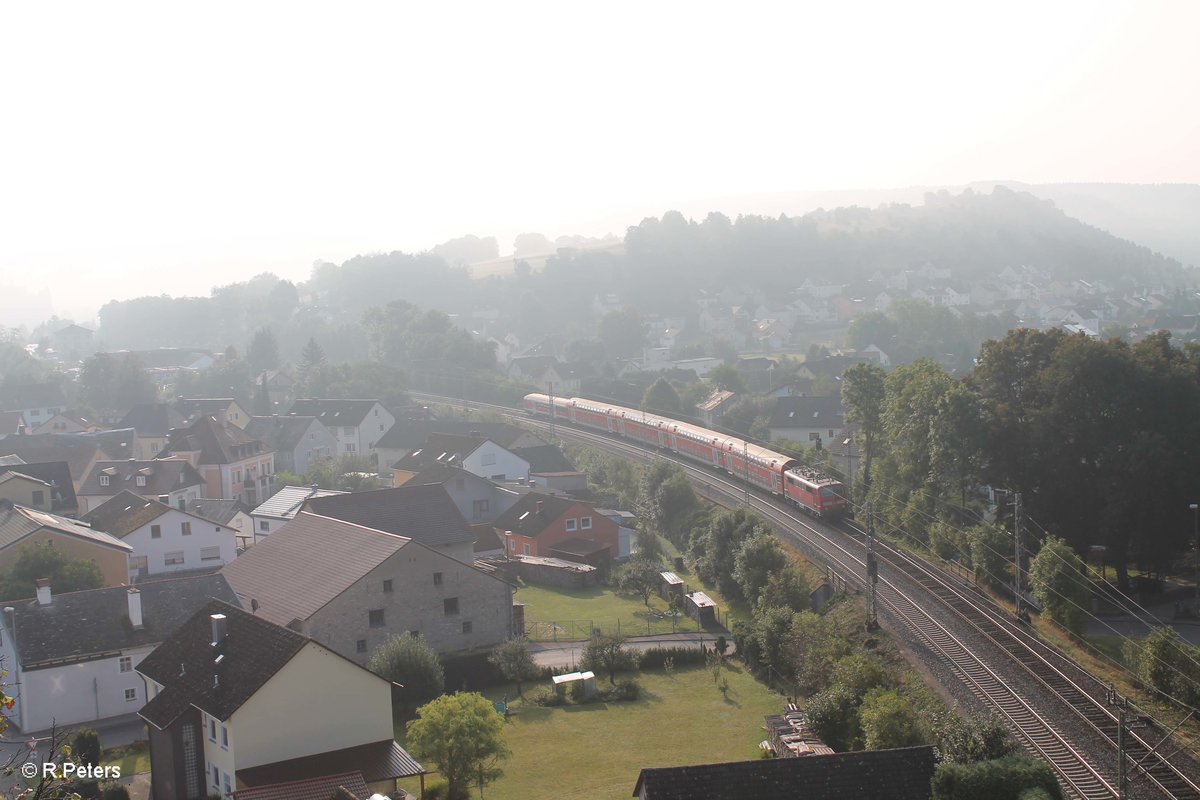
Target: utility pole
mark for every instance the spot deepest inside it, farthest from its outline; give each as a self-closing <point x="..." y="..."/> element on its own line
<point x="872" y="575"/>
<point x="1017" y="560"/>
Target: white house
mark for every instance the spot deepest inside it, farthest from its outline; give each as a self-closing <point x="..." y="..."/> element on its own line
<point x="163" y="539"/>
<point x="357" y="424"/>
<point x="37" y="402"/>
<point x="173" y="481"/>
<point x="227" y="710"/>
<point x="282" y="507"/>
<point x="807" y="419"/>
<point x="474" y="453"/>
<point x="298" y="441"/>
<point x="71" y="656"/>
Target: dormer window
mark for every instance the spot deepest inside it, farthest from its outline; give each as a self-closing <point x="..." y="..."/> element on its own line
<point x="105" y="480"/>
<point x="141" y="480"/>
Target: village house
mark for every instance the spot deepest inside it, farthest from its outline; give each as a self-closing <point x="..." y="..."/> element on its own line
<point x="357" y="424"/>
<point x="170" y="480"/>
<point x="408" y="435"/>
<point x="57" y="476"/>
<point x="151" y="423"/>
<point x="298" y="441"/>
<point x="228" y="513"/>
<point x="234" y="465"/>
<point x="164" y="539"/>
<point x="557" y="527"/>
<point x="226" y="410"/>
<point x="807" y="420"/>
<point x="66" y="422"/>
<point x="12" y="423"/>
<point x="478" y="500"/>
<point x="21" y="527"/>
<point x="22" y="489"/>
<point x="71" y="656"/>
<point x="226" y="712"/>
<point x="379" y="585"/>
<point x="282" y="507"/>
<point x="37" y="402"/>
<point x="473" y="452"/>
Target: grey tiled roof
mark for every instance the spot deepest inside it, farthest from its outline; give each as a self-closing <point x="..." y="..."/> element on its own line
<point x="254" y="651"/>
<point x="545" y="459"/>
<point x="291" y="574"/>
<point x="287" y="502"/>
<point x="124" y="513"/>
<point x="151" y="419"/>
<point x="215" y="510"/>
<point x="216" y="443"/>
<point x="280" y="432"/>
<point x="163" y="476"/>
<point x="405" y="434"/>
<point x="377" y="761"/>
<point x="807" y="412"/>
<point x="901" y="774"/>
<point x="77" y="626"/>
<point x="524" y="518"/>
<point x="334" y="412"/>
<point x="424" y="513"/>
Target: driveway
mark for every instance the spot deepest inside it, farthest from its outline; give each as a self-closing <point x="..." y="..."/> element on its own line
<point x="566" y="654"/>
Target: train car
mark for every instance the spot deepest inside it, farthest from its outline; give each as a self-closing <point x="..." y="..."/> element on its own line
<point x="537" y="404"/>
<point x="640" y="427"/>
<point x="596" y="416"/>
<point x="816" y="492"/>
<point x="698" y="444"/>
<point x="762" y="467"/>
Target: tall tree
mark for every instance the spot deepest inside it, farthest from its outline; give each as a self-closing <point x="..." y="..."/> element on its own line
<point x="514" y="660"/>
<point x="115" y="383"/>
<point x="263" y="352"/>
<point x="661" y="398"/>
<point x="1058" y="578"/>
<point x="863" y="393"/>
<point x="463" y="736"/>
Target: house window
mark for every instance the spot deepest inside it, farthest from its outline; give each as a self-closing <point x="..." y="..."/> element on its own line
<point x="572" y="524"/>
<point x="264" y="526"/>
<point x="350" y="447"/>
<point x="526" y="549"/>
<point x="39" y="497"/>
<point x="360" y="646"/>
<point x="375" y="618"/>
<point x="126" y="663"/>
<point x="480" y="507"/>
<point x="186" y="528"/>
<point x="450" y="606"/>
<point x="437" y="579"/>
<point x="105" y="480"/>
<point x="512" y="545"/>
<point x="586" y="523"/>
<point x="387" y="586"/>
<point x="228" y="788"/>
<point x="210" y="553"/>
<point x="224" y="738"/>
<point x="466" y="626"/>
<point x="141" y="480"/>
<point x="139" y="564"/>
<point x="212" y="737"/>
<point x="487" y="459"/>
<point x="814" y="436"/>
<point x="216" y="776"/>
<point x="156" y="531"/>
<point x="172" y="558"/>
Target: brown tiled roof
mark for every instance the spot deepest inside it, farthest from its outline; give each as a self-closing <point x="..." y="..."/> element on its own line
<point x="422" y="512"/>
<point x="901" y="774"/>
<point x="523" y="517"/>
<point x="255" y="650"/>
<point x="378" y="761"/>
<point x="291" y="572"/>
<point x="124" y="513"/>
<point x="280" y="432"/>
<point x="321" y="788"/>
<point x="163" y="476"/>
<point x="216" y="443"/>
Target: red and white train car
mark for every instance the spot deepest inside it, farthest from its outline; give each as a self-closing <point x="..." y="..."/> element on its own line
<point x="773" y="472"/>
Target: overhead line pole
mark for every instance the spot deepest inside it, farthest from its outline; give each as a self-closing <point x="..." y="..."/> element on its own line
<point x="1017" y="558"/>
<point x="872" y="574"/>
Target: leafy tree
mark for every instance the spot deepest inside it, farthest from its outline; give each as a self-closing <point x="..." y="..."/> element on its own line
<point x="43" y="560"/>
<point x="1167" y="663"/>
<point x="759" y="557"/>
<point x="816" y="646"/>
<point x="999" y="779"/>
<point x="773" y="639"/>
<point x="85" y="746"/>
<point x="860" y="673"/>
<point x="974" y="738"/>
<point x="724" y="376"/>
<point x="989" y="555"/>
<point x="863" y="395"/>
<point x="114" y="383"/>
<point x="463" y="736"/>
<point x="787" y="588"/>
<point x="889" y="721"/>
<point x="623" y="333"/>
<point x="605" y="653"/>
<point x="661" y="398"/>
<point x="833" y="715"/>
<point x="412" y="663"/>
<point x="640" y="576"/>
<point x="1058" y="579"/>
<point x="715" y="551"/>
<point x="263" y="352"/>
<point x="648" y="546"/>
<point x="311" y="357"/>
<point x="515" y="661"/>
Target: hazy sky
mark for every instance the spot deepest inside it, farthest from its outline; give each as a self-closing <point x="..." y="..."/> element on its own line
<point x="167" y="148"/>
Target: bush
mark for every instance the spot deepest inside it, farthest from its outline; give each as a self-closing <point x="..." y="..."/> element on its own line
<point x="656" y="657"/>
<point x="546" y="697"/>
<point x="411" y="662"/>
<point x="993" y="780"/>
<point x="625" y="689"/>
<point x="436" y="791"/>
<point x="115" y="791"/>
<point x="85" y="746"/>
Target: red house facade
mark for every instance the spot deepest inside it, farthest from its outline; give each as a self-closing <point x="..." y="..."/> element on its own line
<point x="541" y="523"/>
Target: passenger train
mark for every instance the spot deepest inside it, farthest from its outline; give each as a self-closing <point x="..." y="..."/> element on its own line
<point x="776" y="473"/>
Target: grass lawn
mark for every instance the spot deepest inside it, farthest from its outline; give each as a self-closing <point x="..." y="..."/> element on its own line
<point x="574" y="611"/>
<point x="132" y="759"/>
<point x="596" y="751"/>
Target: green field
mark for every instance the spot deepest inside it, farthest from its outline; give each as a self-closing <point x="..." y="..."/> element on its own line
<point x="570" y="614"/>
<point x="596" y="751"/>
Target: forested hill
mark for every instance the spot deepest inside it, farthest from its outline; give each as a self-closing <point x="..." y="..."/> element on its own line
<point x="973" y="234"/>
<point x="666" y="261"/>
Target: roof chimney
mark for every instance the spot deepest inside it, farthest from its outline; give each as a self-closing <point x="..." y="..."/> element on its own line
<point x="135" y="608"/>
<point x="218" y="629"/>
<point x="43" y="591"/>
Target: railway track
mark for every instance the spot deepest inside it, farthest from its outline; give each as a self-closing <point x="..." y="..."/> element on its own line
<point x="982" y="664"/>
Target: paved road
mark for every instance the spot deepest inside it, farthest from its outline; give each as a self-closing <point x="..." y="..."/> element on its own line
<point x="566" y="654"/>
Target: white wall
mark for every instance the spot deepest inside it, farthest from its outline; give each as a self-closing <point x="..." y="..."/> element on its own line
<point x="316" y="443"/>
<point x="204" y="534"/>
<point x="285" y="719"/>
<point x="490" y="459"/>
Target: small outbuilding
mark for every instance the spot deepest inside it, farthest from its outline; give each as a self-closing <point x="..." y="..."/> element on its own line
<point x="587" y="678"/>
<point x="701" y="608"/>
<point x="672" y="586"/>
